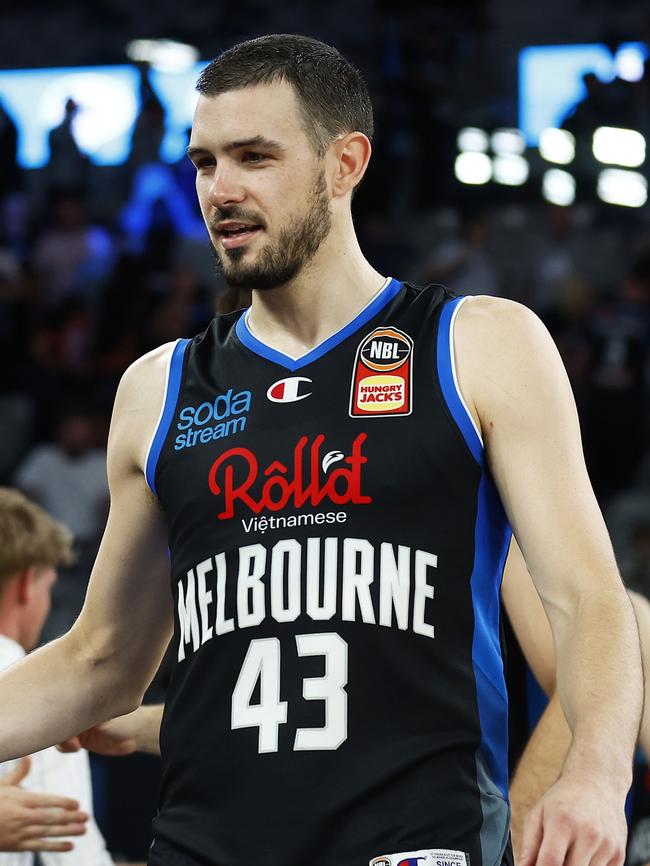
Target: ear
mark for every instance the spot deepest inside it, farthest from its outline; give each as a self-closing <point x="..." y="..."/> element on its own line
<point x="26" y="579"/>
<point x="352" y="154"/>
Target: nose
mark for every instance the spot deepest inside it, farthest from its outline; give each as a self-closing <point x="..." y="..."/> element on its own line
<point x="225" y="190"/>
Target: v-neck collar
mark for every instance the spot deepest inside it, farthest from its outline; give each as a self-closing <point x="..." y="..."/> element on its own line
<point x="375" y="306"/>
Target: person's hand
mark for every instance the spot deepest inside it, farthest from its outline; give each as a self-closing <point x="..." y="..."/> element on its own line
<point x="30" y="821"/>
<point x="115" y="737"/>
<point x="578" y="822"/>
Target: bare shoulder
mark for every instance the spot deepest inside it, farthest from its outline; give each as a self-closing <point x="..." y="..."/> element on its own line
<point x="138" y="402"/>
<point x="498" y="323"/>
<point x="504" y="352"/>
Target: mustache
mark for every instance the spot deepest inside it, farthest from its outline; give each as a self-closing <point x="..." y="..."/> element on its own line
<point x="235" y="213"/>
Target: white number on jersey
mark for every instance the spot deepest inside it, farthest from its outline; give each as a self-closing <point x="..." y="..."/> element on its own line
<point x="262" y="663"/>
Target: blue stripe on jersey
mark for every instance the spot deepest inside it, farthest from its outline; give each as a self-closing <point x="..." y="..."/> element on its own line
<point x="172" y="389"/>
<point x="447" y="382"/>
<point x="491" y="542"/>
<point x="373" y="309"/>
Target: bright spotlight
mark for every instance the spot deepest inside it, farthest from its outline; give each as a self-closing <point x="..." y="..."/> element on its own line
<point x="628" y="64"/>
<point x="557" y="145"/>
<point x="619" y="146"/>
<point x="510" y="169"/>
<point x="473" y="139"/>
<point x="507" y="141"/>
<point x="625" y="188"/>
<point x="164" y="55"/>
<point x="473" y="168"/>
<point x="559" y="187"/>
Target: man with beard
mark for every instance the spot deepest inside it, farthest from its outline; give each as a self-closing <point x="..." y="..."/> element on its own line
<point x="334" y="475"/>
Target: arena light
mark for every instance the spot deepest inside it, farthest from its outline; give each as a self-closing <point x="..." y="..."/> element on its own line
<point x="628" y="63"/>
<point x="557" y="145"/>
<point x="165" y="55"/>
<point x="559" y="187"/>
<point x="614" y="146"/>
<point x="508" y="141"/>
<point x="107" y="107"/>
<point x="473" y="168"/>
<point x="473" y="139"/>
<point x="510" y="169"/>
<point x="625" y="188"/>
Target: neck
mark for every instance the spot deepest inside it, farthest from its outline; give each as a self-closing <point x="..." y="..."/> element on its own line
<point x="328" y="293"/>
<point x="10" y="625"/>
<point x="10" y="628"/>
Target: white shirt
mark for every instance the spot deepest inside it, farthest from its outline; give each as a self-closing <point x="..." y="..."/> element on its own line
<point x="74" y="490"/>
<point x="55" y="773"/>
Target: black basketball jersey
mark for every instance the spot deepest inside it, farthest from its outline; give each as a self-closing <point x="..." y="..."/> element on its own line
<point x="337" y="546"/>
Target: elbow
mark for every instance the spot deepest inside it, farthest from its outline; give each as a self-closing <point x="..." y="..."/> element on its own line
<point x="546" y="679"/>
<point x="115" y="689"/>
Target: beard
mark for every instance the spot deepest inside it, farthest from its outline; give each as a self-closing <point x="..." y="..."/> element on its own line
<point x="280" y="262"/>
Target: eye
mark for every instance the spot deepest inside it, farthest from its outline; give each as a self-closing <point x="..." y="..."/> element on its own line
<point x="252" y="156"/>
<point x="203" y="162"/>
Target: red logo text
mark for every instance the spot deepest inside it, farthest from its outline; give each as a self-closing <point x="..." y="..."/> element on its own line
<point x="236" y="471"/>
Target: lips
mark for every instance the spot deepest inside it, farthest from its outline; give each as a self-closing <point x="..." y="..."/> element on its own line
<point x="236" y="234"/>
<point x="238" y="239"/>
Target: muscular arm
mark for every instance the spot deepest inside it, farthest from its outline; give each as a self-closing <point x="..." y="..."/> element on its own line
<point x="547" y="748"/>
<point x="103" y="665"/>
<point x="141" y="728"/>
<point x="528" y="618"/>
<point x="533" y="632"/>
<point x="517" y="387"/>
<point x="138" y="731"/>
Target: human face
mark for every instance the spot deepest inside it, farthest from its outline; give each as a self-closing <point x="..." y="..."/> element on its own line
<point x="39" y="602"/>
<point x="261" y="187"/>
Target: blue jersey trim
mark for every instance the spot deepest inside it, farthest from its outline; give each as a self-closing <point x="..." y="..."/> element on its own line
<point x="453" y="398"/>
<point x="292" y="364"/>
<point x="169" y="407"/>
<point x="491" y="544"/>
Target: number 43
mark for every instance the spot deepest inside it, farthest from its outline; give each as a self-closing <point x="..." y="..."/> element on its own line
<point x="262" y="663"/>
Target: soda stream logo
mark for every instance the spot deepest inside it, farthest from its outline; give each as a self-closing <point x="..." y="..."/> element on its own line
<point x="221" y="417"/>
<point x="235" y="478"/>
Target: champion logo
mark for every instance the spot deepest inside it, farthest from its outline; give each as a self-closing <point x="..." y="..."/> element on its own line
<point x="288" y="390"/>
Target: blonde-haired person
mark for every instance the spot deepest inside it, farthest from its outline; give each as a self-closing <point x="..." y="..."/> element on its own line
<point x="32" y="545"/>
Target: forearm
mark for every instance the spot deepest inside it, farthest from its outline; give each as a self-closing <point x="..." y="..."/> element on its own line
<point x="56" y="691"/>
<point x="539" y="766"/>
<point x="600" y="686"/>
<point x="146" y="728"/>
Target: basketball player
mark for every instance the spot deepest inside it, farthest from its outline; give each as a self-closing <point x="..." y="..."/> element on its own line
<point x="334" y="475"/>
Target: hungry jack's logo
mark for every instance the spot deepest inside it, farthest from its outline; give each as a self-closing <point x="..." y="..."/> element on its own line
<point x="383" y="375"/>
<point x="305" y="480"/>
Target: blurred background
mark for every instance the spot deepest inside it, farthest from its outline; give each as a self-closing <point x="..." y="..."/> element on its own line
<point x="509" y="159"/>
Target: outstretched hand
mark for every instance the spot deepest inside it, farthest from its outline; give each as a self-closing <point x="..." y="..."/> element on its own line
<point x="31" y="821"/>
<point x="113" y="738"/>
<point x="576" y="823"/>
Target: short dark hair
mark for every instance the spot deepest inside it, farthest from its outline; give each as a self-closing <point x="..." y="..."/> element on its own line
<point x="332" y="93"/>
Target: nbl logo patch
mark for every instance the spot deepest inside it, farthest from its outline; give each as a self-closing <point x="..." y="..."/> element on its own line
<point x="383" y="375"/>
